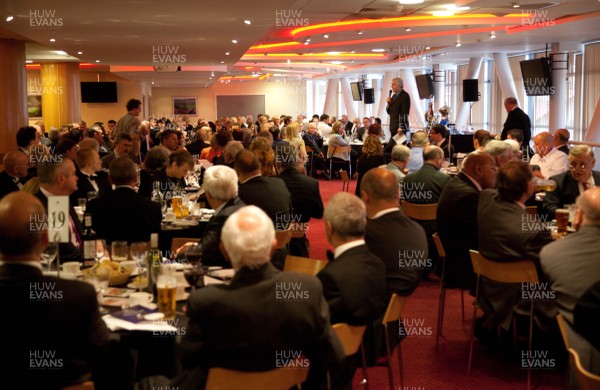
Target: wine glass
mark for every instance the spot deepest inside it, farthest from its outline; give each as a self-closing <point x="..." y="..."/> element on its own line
<point x="49" y="254"/>
<point x="194" y="273"/>
<point x="139" y="252"/>
<point x="193" y="254"/>
<point x="100" y="250"/>
<point x="92" y="195"/>
<point x="82" y="203"/>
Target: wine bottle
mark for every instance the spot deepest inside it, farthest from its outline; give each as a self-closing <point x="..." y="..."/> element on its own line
<point x="154" y="261"/>
<point x="89" y="242"/>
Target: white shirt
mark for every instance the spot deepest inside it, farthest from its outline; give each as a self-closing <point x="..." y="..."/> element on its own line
<point x="347" y="246"/>
<point x="324" y="129"/>
<point x="384" y="212"/>
<point x="553" y="163"/>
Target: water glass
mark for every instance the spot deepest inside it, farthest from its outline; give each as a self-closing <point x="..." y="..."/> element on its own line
<point x="49" y="254"/>
<point x="91" y="195"/>
<point x="120" y="250"/>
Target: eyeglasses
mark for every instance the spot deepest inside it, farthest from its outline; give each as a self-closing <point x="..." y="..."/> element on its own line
<point x="493" y="167"/>
<point x="577" y="164"/>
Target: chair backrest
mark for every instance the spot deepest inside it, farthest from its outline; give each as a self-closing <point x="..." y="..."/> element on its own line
<point x="562" y="325"/>
<point x="297" y="229"/>
<point x="89" y="385"/>
<point x="278" y="379"/>
<point x="338" y="149"/>
<point x="394" y="309"/>
<point x="345" y="180"/>
<point x="438" y="244"/>
<point x="350" y="336"/>
<point x="587" y="380"/>
<point x="304" y="265"/>
<point x="178" y="242"/>
<point x="282" y="237"/>
<point x="309" y="149"/>
<point x="522" y="271"/>
<point x="420" y="212"/>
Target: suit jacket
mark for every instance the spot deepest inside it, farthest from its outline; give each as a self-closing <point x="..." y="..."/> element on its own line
<point x="7" y="184"/>
<point x="348" y="127"/>
<point x="398" y="110"/>
<point x="247" y="324"/>
<point x="123" y="215"/>
<point x="68" y="251"/>
<point x="424" y="185"/>
<point x="271" y="195"/>
<point x="400" y="253"/>
<point x="354" y="286"/>
<point x="360" y="133"/>
<point x="586" y="315"/>
<point x="457" y="228"/>
<point x="106" y="160"/>
<point x="566" y="192"/>
<point x="447" y="148"/>
<point x="196" y="146"/>
<point x="306" y="197"/>
<point x="63" y="326"/>
<point x="564" y="149"/>
<point x="312" y="141"/>
<point x="211" y="239"/>
<point x="364" y="164"/>
<point x="84" y="186"/>
<point x="517" y="119"/>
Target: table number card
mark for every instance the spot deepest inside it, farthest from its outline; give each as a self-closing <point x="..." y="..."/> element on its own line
<point x="58" y="218"/>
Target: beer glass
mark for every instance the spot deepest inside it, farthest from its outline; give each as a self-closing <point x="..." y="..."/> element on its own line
<point x="166" y="291"/>
<point x="562" y="221"/>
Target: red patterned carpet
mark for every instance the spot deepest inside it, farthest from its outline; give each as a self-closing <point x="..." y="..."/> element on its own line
<point x="428" y="369"/>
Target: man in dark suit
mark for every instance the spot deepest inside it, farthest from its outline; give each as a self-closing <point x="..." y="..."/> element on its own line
<point x="361" y="132"/>
<point x="354" y="279"/>
<point x="424" y="186"/>
<point x="306" y="198"/>
<point x="122" y="214"/>
<point x="561" y="139"/>
<point x="90" y="176"/>
<point x="58" y="178"/>
<point x="439" y="137"/>
<point x="312" y="139"/>
<point x="571" y="279"/>
<point x="123" y="145"/>
<point x="221" y="190"/>
<point x="262" y="318"/>
<point x="457" y="217"/>
<point x="15" y="168"/>
<point x="398" y="108"/>
<point x="199" y="143"/>
<point x="66" y="339"/>
<point x="570" y="184"/>
<point x="268" y="193"/>
<point x="516" y="119"/>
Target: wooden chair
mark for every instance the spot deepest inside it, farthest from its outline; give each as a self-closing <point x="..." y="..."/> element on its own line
<point x="351" y="338"/>
<point x="297" y="229"/>
<point x="522" y="271"/>
<point x="393" y="314"/>
<point x="282" y="237"/>
<point x="304" y="265"/>
<point x="310" y="161"/>
<point x="586" y="380"/>
<point x="419" y="212"/>
<point x="278" y="379"/>
<point x="89" y="385"/>
<point x="345" y="180"/>
<point x="339" y="161"/>
<point x="178" y="242"/>
<point x="442" y="301"/>
<point x="562" y="325"/>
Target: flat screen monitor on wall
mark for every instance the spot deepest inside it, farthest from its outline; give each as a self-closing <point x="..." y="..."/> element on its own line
<point x="99" y="92"/>
<point x="424" y="86"/>
<point x="357" y="91"/>
<point x="537" y="77"/>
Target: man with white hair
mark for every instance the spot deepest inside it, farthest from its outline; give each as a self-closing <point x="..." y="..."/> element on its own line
<point x="400" y="159"/>
<point x="263" y="316"/>
<point x="500" y="151"/>
<point x="221" y="189"/>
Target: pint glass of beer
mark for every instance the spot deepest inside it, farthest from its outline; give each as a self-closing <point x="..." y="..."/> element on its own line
<point x="166" y="289"/>
<point x="562" y="221"/>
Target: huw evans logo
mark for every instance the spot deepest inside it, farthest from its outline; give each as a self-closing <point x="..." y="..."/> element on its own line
<point x="44" y="19"/>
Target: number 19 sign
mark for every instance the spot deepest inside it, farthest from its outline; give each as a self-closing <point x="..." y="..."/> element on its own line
<point x="58" y="219"/>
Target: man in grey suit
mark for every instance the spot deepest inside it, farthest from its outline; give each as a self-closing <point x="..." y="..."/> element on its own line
<point x="570" y="184"/>
<point x="572" y="266"/>
<point x="123" y="145"/>
<point x="262" y="317"/>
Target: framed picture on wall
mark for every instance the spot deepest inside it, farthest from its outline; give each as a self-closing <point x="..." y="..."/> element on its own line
<point x="34" y="106"/>
<point x="184" y="105"/>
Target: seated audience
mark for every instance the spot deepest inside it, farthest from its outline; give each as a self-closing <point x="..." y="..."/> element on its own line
<point x="15" y="168"/>
<point x="439" y="137"/>
<point x="196" y="146"/>
<point x="266" y="156"/>
<point x="400" y="159"/>
<point x="371" y="157"/>
<point x="500" y="151"/>
<point x="480" y="139"/>
<point x="171" y="179"/>
<point x="246" y="324"/>
<point x="550" y="161"/>
<point x="90" y="177"/>
<point x="418" y="143"/>
<point x="123" y="144"/>
<point x="561" y="139"/>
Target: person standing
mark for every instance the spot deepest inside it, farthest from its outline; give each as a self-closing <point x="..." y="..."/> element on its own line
<point x="398" y="107"/>
<point x="130" y="124"/>
<point x="516" y="119"/>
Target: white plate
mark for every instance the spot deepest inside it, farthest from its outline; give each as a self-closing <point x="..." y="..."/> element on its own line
<point x="223" y="273"/>
<point x="184" y="222"/>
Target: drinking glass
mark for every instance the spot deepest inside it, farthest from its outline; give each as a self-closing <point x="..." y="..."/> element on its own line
<point x="100" y="250"/>
<point x="177" y="203"/>
<point x="166" y="291"/>
<point x="194" y="276"/>
<point x="91" y="195"/>
<point x="139" y="252"/>
<point x="49" y="254"/>
<point x="120" y="251"/>
<point x="193" y="254"/>
<point x="82" y="203"/>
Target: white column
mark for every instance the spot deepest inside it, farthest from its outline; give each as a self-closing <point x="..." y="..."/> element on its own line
<point x="386" y="85"/>
<point x="416" y="115"/>
<point x="331" y="97"/>
<point x="505" y="78"/>
<point x="347" y="96"/>
<point x="463" y="109"/>
<point x="558" y="100"/>
<point x="593" y="131"/>
<point x="439" y="79"/>
<point x="376" y="85"/>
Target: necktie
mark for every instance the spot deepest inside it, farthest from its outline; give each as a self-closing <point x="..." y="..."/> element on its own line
<point x="329" y="255"/>
<point x="586" y="185"/>
<point x="75" y="239"/>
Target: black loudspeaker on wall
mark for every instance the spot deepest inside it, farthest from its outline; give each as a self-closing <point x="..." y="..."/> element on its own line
<point x="470" y="90"/>
<point x="369" y="95"/>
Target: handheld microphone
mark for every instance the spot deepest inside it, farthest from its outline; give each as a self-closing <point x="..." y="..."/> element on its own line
<point x="390" y="95"/>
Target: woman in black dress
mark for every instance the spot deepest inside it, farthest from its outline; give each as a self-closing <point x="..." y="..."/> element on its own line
<point x="371" y="157"/>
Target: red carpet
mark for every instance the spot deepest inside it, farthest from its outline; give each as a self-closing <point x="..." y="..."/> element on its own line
<point x="428" y="369"/>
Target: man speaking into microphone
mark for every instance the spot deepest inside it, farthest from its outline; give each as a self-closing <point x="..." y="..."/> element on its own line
<point x="398" y="107"/>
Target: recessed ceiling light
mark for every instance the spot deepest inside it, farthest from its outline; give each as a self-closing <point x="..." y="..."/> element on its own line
<point x="442" y="13"/>
<point x="28" y="61"/>
<point x="378" y="50"/>
<point x="453" y="7"/>
<point x="234" y="41"/>
<point x="336" y="62"/>
<point x="325" y="36"/>
<point x="306" y="42"/>
<point x="458" y="44"/>
<point x="80" y="52"/>
<point x="226" y="53"/>
<point x="60" y="52"/>
<point x="97" y="60"/>
<point x="405" y="2"/>
<point x="515" y="5"/>
<point x="427" y="47"/>
<point x="289" y="62"/>
<point x="9" y="18"/>
<point x="407" y="29"/>
<point x="247" y="22"/>
<point x="352" y="52"/>
<point x="361" y="33"/>
<point x="52" y="40"/>
<point x="222" y="62"/>
<point x="493" y="35"/>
